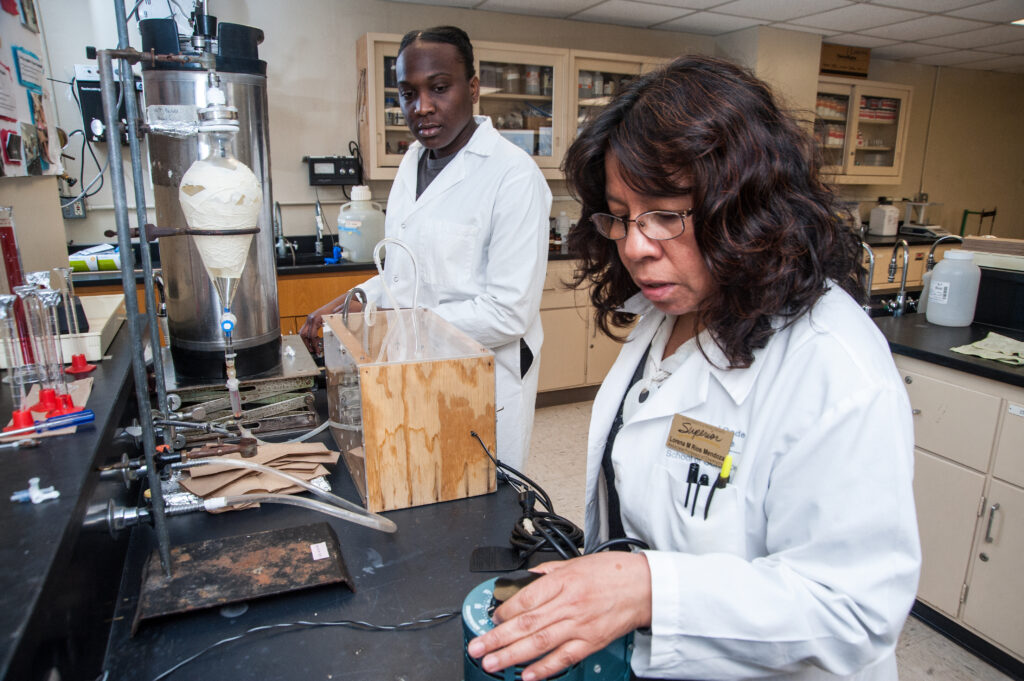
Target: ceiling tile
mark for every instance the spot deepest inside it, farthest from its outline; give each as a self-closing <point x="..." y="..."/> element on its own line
<point x="859" y="40"/>
<point x="925" y="27"/>
<point x="627" y="13"/>
<point x="927" y="5"/>
<point x="999" y="63"/>
<point x="466" y="4"/>
<point x="710" y="23"/>
<point x="1002" y="11"/>
<point x="1016" y="47"/>
<point x="779" y="10"/>
<point x="807" y="29"/>
<point x="688" y="4"/>
<point x="906" y="51"/>
<point x="954" y="58"/>
<point x="995" y="35"/>
<point x="857" y="17"/>
<point x="538" y="8"/>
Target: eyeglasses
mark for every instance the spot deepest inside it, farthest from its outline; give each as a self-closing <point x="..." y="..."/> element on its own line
<point x="659" y="225"/>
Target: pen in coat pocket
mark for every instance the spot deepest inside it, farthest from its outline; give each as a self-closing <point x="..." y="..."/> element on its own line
<point x="723" y="480"/>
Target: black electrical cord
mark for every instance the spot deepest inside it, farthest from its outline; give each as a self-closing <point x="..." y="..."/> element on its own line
<point x="536" y="530"/>
<point x="412" y="625"/>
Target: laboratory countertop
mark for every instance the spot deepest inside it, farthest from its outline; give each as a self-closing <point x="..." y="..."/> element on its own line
<point x="39" y="541"/>
<point x="53" y="605"/>
<point x="913" y="336"/>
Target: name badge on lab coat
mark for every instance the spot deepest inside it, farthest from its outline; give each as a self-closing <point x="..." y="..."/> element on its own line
<point x="699" y="440"/>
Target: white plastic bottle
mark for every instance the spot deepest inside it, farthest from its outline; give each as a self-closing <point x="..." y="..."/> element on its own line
<point x="953" y="290"/>
<point x="360" y="225"/>
<point x="562" y="224"/>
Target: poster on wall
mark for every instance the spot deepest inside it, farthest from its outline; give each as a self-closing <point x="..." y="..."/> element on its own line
<point x="42" y="130"/>
<point x="28" y="134"/>
<point x="28" y="15"/>
<point x="10" y="145"/>
<point x="30" y="147"/>
<point x="29" y="67"/>
<point x="8" y="103"/>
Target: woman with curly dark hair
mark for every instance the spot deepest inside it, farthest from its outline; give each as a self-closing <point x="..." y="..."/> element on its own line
<point x="754" y="432"/>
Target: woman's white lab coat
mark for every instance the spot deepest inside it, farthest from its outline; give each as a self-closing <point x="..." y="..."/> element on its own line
<point x="480" y="235"/>
<point x="808" y="562"/>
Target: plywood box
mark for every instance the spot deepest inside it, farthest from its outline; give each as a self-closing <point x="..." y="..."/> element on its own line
<point x="845" y="60"/>
<point x="405" y="391"/>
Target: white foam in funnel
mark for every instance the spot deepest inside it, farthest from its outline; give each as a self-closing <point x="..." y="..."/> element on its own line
<point x="221" y="194"/>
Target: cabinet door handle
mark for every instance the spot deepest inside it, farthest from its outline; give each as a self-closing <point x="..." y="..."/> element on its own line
<point x="915" y="412"/>
<point x="991" y="516"/>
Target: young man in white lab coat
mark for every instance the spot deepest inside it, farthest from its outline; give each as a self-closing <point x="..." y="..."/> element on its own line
<point x="474" y="209"/>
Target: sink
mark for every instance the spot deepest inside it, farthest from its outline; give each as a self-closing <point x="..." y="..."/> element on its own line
<point x="300" y="259"/>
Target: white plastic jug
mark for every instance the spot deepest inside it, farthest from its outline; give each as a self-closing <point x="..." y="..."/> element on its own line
<point x="360" y="225"/>
<point x="953" y="290"/>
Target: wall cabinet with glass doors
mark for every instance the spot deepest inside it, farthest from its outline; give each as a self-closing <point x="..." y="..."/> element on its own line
<point x="861" y="129"/>
<point x="536" y="97"/>
<point x="598" y="76"/>
<point x="522" y="89"/>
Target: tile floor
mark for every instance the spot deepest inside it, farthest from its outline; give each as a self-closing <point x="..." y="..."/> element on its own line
<point x="557" y="463"/>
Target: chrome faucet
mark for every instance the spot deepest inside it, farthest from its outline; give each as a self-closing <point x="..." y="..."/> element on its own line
<point x="318" y="245"/>
<point x="871" y="274"/>
<point x="279" y="244"/>
<point x="899" y="306"/>
<point x="930" y="264"/>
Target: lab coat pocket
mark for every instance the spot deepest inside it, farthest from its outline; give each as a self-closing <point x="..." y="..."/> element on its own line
<point x="450" y="256"/>
<point x="723" y="529"/>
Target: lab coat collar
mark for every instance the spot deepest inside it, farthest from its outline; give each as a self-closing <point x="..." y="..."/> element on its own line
<point x="688" y="386"/>
<point x="480" y="144"/>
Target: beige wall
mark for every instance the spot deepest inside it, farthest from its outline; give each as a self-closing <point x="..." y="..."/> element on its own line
<point x="967" y="153"/>
<point x="37" y="221"/>
<point x="965" y="147"/>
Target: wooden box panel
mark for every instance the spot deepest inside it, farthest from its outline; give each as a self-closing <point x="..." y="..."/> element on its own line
<point x="424" y="388"/>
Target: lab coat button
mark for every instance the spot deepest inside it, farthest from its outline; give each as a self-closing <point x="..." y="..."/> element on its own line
<point x="395" y="280"/>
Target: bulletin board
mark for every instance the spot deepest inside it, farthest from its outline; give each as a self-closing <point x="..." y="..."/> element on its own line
<point x="28" y="132"/>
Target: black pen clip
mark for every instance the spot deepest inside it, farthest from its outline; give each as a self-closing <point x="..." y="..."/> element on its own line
<point x="702" y="481"/>
<point x="691" y="477"/>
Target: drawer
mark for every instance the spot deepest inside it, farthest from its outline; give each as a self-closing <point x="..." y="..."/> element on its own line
<point x="556" y="294"/>
<point x="1010" y="446"/>
<point x="952" y="421"/>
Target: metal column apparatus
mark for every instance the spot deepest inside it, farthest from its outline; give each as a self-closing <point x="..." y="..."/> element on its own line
<point x="173" y="91"/>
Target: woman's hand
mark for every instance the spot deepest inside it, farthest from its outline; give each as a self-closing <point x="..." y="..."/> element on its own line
<point x="577" y="608"/>
<point x="310" y="331"/>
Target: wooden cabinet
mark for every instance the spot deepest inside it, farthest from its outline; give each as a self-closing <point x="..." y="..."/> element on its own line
<point x="300" y="294"/>
<point x="969" y="491"/>
<point x="575" y="353"/>
<point x="861" y="129"/>
<point x="535" y="96"/>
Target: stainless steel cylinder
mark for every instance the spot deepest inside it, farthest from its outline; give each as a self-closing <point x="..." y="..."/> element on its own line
<point x="193" y="305"/>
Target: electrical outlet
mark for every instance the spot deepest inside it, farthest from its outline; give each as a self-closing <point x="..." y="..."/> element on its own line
<point x="75" y="211"/>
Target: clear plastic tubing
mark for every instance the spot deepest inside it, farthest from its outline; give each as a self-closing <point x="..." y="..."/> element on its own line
<point x="374" y="522"/>
<point x="365" y="517"/>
